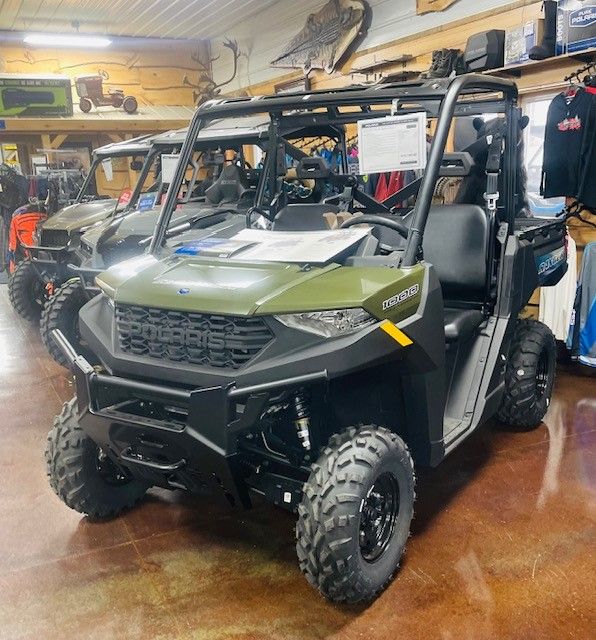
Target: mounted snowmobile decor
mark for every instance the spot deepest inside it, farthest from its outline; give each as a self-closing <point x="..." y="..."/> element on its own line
<point x="326" y="36"/>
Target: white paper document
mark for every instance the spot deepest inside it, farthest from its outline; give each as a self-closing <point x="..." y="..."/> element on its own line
<point x="169" y="161"/>
<point x="108" y="169"/>
<point x="296" y="246"/>
<point x="394" y="143"/>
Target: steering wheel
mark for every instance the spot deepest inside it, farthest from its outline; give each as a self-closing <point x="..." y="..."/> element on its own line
<point x="379" y="221"/>
<point x="259" y="211"/>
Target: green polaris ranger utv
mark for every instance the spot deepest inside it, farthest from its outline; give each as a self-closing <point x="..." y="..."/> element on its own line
<point x="319" y="367"/>
<point x="45" y="267"/>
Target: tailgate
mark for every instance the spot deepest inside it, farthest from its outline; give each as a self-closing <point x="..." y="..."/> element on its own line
<point x="548" y="239"/>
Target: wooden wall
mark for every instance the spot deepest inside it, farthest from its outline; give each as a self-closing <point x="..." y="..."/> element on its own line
<point x="155" y="76"/>
<point x="264" y="35"/>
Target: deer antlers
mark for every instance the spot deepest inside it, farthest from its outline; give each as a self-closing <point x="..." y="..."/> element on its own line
<point x="206" y="88"/>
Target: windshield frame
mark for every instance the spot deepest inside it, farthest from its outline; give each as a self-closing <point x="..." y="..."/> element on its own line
<point x="439" y="98"/>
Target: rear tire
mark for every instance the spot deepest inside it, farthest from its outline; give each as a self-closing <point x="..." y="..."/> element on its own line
<point x="529" y="376"/>
<point x="130" y="104"/>
<point x="61" y="312"/>
<point x="81" y="476"/>
<point x="26" y="291"/>
<point x="354" y="517"/>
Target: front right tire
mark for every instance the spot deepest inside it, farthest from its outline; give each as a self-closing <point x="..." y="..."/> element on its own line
<point x="354" y="517"/>
<point x="82" y="475"/>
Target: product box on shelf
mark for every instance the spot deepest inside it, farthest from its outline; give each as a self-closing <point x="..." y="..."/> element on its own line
<point x="519" y="40"/>
<point x="576" y="25"/>
<point x="35" y="95"/>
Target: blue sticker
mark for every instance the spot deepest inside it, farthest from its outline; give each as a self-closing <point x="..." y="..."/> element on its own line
<point x="183" y="291"/>
<point x="2" y="124"/>
<point x="550" y="262"/>
<point x="147" y="201"/>
<point x="194" y="248"/>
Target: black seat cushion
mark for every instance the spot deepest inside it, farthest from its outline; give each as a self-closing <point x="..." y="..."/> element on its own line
<point x="303" y="217"/>
<point x="460" y="323"/>
<point x="456" y="243"/>
<point x="230" y="186"/>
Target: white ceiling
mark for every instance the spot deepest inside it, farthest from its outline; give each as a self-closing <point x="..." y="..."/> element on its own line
<point x="143" y="18"/>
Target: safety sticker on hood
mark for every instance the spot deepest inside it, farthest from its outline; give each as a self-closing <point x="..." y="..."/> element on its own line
<point x="213" y="247"/>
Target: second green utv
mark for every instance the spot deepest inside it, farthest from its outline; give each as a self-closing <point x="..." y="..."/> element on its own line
<point x="319" y="356"/>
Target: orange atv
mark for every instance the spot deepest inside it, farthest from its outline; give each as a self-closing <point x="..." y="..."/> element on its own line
<point x="22" y="235"/>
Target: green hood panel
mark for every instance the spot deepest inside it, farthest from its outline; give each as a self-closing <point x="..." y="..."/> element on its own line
<point x="208" y="286"/>
<point x="234" y="288"/>
<point x="76" y="216"/>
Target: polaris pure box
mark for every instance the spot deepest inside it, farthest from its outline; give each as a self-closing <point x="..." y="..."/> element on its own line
<point x="576" y="25"/>
<point x="485" y="50"/>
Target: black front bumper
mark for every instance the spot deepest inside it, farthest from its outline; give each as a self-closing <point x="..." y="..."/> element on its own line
<point x="200" y="450"/>
<point x="200" y="417"/>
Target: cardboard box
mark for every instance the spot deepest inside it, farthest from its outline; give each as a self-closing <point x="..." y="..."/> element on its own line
<point x="35" y="95"/>
<point x="519" y="41"/>
<point x="576" y="25"/>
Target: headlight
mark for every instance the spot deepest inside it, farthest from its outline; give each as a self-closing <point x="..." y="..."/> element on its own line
<point x="328" y="324"/>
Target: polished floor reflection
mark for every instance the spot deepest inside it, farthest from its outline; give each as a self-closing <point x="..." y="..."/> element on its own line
<point x="502" y="546"/>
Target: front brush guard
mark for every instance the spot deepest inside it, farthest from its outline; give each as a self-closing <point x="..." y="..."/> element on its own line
<point x="204" y="445"/>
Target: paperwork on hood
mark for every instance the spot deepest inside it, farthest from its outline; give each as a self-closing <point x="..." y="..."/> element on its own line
<point x="277" y="246"/>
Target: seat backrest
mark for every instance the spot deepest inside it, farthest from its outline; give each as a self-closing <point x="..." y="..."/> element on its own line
<point x="229" y="187"/>
<point x="457" y="243"/>
<point x="303" y="217"/>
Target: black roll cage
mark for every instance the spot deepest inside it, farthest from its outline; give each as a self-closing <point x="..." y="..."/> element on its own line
<point x="439" y="98"/>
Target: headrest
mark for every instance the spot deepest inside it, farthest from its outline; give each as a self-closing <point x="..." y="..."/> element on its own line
<point x="229" y="186"/>
<point x="312" y="168"/>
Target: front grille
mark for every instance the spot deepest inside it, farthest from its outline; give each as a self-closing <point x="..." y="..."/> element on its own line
<point x="196" y="338"/>
<point x="53" y="238"/>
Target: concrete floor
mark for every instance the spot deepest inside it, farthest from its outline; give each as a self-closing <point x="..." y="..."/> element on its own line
<point x="502" y="545"/>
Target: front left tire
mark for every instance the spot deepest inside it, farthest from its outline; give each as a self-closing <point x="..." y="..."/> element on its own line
<point x="61" y="312"/>
<point x="26" y="291"/>
<point x="82" y="475"/>
<point x="354" y="517"/>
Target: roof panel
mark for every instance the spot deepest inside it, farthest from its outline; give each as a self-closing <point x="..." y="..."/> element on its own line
<point x="143" y="18"/>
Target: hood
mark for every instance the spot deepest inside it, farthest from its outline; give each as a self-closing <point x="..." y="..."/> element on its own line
<point x="188" y="283"/>
<point x="76" y="216"/>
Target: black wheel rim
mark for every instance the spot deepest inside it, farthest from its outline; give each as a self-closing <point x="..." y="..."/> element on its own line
<point x="542" y="375"/>
<point x="378" y="517"/>
<point x="110" y="472"/>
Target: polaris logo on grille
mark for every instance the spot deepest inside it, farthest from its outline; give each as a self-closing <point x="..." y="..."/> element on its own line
<point x="400" y="297"/>
<point x="177" y="336"/>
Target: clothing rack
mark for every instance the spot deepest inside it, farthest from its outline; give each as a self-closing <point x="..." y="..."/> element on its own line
<point x="577" y="73"/>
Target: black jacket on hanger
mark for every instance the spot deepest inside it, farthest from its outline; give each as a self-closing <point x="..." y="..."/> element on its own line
<point x="565" y="136"/>
<point x="586" y="192"/>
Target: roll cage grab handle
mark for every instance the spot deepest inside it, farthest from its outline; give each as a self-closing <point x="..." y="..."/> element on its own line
<point x="220" y="108"/>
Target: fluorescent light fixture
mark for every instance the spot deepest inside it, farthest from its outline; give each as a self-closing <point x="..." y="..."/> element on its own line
<point x="74" y="40"/>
